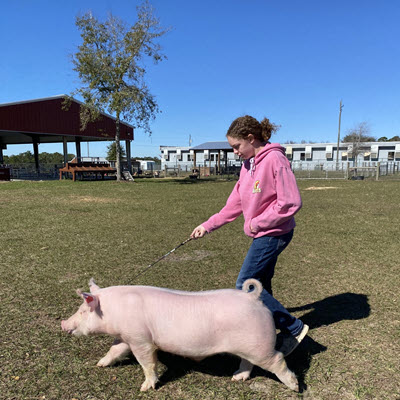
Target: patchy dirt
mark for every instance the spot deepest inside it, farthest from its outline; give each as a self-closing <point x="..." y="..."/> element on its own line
<point x="90" y="199"/>
<point x="321" y="188"/>
<point x="196" y="255"/>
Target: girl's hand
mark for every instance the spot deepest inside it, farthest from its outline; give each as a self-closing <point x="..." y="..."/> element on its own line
<point x="198" y="232"/>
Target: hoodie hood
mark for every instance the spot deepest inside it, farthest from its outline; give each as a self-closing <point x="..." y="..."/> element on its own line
<point x="251" y="163"/>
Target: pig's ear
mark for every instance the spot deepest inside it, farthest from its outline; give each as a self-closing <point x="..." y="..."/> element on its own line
<point x="93" y="287"/>
<point x="91" y="300"/>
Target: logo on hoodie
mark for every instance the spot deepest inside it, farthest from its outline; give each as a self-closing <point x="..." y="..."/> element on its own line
<point x="256" y="188"/>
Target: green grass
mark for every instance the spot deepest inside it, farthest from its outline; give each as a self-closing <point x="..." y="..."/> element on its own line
<point x="340" y="274"/>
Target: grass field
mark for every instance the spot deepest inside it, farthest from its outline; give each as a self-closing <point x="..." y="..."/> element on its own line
<point x="340" y="274"/>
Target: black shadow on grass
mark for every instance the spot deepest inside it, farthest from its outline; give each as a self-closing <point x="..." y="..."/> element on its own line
<point x="300" y="360"/>
<point x="177" y="366"/>
<point x="344" y="306"/>
<point x="224" y="365"/>
<point x="218" y="365"/>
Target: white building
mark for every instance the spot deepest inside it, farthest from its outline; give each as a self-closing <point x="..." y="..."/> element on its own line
<point x="310" y="155"/>
<point x="327" y="154"/>
<point x="174" y="156"/>
<point x="209" y="154"/>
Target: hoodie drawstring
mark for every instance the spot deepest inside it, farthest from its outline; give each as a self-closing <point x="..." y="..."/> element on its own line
<point x="252" y="166"/>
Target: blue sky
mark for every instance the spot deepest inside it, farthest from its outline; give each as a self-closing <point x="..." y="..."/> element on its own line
<point x="291" y="61"/>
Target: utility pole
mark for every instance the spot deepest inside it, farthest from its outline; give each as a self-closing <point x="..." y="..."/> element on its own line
<point x="338" y="137"/>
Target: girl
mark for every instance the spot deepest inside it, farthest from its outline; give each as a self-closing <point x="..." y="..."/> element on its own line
<point x="267" y="195"/>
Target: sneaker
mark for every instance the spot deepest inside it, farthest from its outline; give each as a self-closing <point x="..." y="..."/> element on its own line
<point x="290" y="342"/>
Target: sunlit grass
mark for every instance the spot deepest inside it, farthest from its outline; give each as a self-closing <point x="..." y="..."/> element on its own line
<point x="340" y="274"/>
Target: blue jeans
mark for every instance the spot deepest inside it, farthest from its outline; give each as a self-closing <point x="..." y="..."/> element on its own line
<point x="260" y="264"/>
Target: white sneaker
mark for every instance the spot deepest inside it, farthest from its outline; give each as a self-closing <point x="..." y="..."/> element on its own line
<point x="290" y="342"/>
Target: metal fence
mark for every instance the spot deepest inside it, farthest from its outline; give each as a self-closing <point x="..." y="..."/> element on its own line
<point x="389" y="168"/>
<point x="302" y="170"/>
<point x="306" y="170"/>
<point x="29" y="172"/>
<point x="347" y="170"/>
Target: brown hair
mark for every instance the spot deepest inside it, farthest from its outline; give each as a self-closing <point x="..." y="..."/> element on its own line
<point x="242" y="127"/>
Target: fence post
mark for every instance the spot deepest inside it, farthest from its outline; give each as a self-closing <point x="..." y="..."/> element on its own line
<point x="347" y="170"/>
<point x="378" y="166"/>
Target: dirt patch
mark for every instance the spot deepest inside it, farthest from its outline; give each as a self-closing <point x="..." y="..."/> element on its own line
<point x="197" y="255"/>
<point x="321" y="188"/>
<point x="91" y="199"/>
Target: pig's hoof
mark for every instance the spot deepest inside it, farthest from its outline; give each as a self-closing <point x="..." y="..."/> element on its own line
<point x="241" y="376"/>
<point x="148" y="385"/>
<point x="295" y="386"/>
<point x="102" y="363"/>
<point x="293" y="383"/>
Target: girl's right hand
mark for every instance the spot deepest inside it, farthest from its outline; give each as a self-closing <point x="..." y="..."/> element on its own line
<point x="198" y="232"/>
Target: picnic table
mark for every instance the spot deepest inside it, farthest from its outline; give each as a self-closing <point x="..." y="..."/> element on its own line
<point x="86" y="168"/>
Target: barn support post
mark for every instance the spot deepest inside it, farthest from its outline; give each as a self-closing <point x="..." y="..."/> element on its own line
<point x="128" y="155"/>
<point x="65" y="150"/>
<point x="78" y="148"/>
<point x="1" y="155"/>
<point x="36" y="153"/>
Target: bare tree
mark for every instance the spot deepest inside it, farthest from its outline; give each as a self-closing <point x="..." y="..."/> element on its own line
<point x="357" y="136"/>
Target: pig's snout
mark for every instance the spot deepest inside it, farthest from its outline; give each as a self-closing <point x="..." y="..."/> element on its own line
<point x="64" y="327"/>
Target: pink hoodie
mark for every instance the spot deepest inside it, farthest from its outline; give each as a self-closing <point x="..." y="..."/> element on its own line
<point x="266" y="193"/>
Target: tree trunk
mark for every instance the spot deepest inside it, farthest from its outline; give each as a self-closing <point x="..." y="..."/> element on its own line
<point x="118" y="149"/>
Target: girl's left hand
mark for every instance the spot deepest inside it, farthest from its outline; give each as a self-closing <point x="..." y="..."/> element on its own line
<point x="198" y="232"/>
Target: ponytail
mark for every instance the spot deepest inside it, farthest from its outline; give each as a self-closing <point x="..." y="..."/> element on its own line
<point x="267" y="129"/>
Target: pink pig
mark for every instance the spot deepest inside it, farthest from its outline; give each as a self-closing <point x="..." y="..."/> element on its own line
<point x="191" y="324"/>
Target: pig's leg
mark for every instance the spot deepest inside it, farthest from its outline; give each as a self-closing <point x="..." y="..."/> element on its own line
<point x="147" y="358"/>
<point x="116" y="353"/>
<point x="277" y="365"/>
<point x="244" y="371"/>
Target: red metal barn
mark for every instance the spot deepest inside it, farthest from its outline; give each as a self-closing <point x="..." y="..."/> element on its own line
<point x="47" y="121"/>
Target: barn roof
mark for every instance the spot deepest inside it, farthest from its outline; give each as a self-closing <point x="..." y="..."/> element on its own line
<point x="213" y="146"/>
<point x="45" y="121"/>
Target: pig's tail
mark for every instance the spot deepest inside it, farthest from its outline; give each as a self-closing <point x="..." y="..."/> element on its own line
<point x="253" y="287"/>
